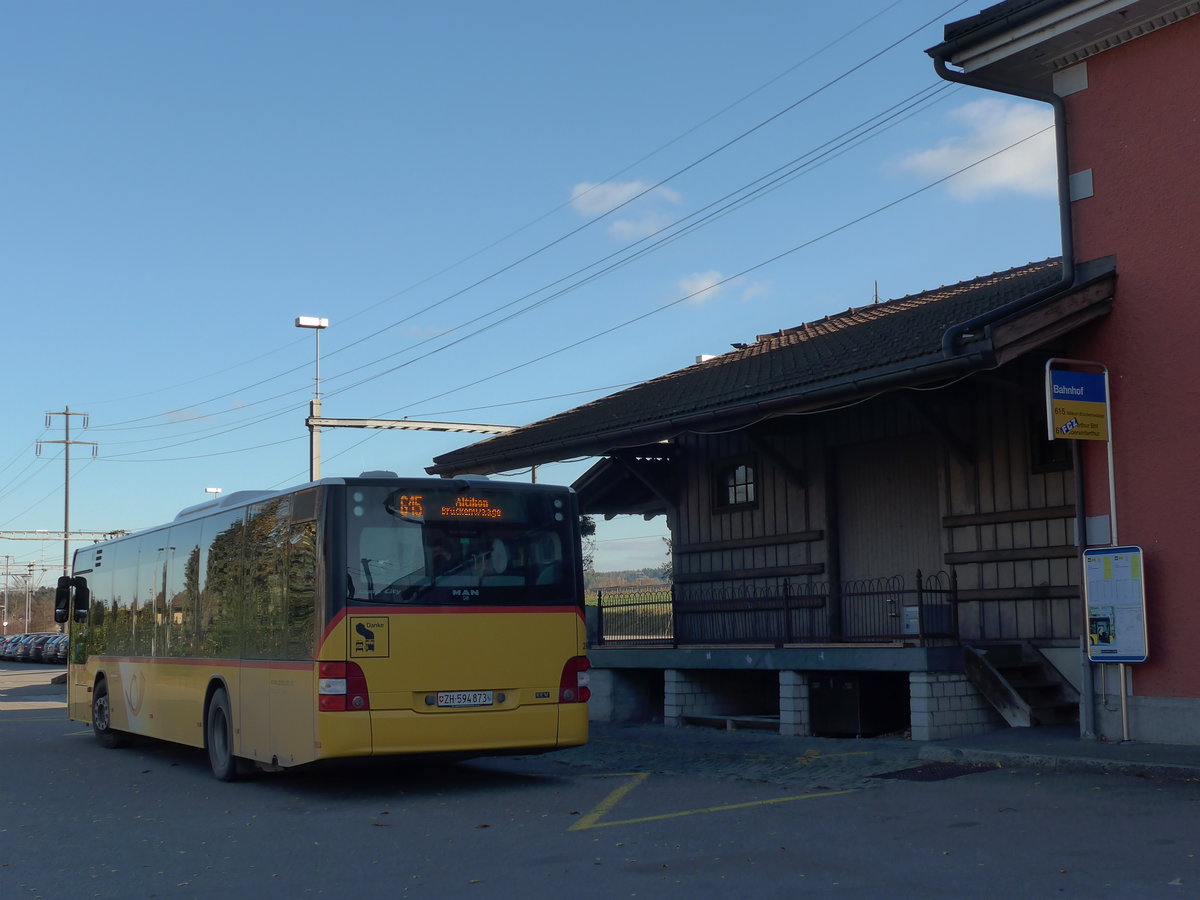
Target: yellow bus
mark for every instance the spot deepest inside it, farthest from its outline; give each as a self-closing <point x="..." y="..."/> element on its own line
<point x="346" y="617"/>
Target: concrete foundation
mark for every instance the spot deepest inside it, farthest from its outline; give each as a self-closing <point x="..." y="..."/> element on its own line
<point x="941" y="704"/>
<point x="626" y="695"/>
<point x="700" y="693"/>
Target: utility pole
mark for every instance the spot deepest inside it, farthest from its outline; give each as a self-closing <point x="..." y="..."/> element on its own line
<point x="67" y="442"/>
<point x="28" y="596"/>
<point x="29" y="589"/>
<point x="317" y="325"/>
<point x="7" y="563"/>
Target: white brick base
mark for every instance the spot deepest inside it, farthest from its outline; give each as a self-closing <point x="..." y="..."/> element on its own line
<point x="946" y="705"/>
<point x="795" y="717"/>
<point x="685" y="695"/>
<point x="700" y="692"/>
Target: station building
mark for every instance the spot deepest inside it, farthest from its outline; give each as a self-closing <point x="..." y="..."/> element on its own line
<point x="871" y="529"/>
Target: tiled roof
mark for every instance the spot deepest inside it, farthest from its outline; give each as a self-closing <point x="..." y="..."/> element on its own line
<point x="1005" y="14"/>
<point x="866" y="342"/>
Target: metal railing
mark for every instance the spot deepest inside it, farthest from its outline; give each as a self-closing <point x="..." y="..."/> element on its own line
<point x="874" y="610"/>
<point x="642" y="615"/>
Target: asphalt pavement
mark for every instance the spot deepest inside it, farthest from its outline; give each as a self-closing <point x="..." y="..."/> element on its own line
<point x="764" y="755"/>
<point x="1063" y="749"/>
<point x="767" y="756"/>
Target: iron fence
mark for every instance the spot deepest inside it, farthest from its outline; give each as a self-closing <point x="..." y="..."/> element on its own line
<point x="874" y="610"/>
<point x="643" y="615"/>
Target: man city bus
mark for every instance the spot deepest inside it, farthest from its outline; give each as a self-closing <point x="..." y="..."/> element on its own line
<point x="346" y="617"/>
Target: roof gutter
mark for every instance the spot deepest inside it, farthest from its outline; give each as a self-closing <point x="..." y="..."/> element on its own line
<point x="953" y="337"/>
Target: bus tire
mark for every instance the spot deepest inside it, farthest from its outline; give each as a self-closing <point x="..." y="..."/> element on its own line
<point x="102" y="718"/>
<point x="218" y="740"/>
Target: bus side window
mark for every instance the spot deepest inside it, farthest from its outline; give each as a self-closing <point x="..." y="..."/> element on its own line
<point x="219" y="628"/>
<point x="182" y="594"/>
<point x="124" y="580"/>
<point x="301" y="590"/>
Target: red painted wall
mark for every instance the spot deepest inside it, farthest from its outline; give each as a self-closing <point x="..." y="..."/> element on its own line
<point x="1137" y="127"/>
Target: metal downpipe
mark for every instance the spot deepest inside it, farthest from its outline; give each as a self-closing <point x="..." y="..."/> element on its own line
<point x="954" y="335"/>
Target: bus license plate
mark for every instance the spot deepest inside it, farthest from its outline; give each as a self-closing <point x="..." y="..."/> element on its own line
<point x="464" y="698"/>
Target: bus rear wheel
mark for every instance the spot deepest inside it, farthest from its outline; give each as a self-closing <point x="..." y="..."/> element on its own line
<point x="218" y="739"/>
<point x="102" y="718"/>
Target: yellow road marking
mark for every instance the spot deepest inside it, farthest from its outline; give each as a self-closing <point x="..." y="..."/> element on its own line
<point x="605" y="806"/>
<point x="811" y="756"/>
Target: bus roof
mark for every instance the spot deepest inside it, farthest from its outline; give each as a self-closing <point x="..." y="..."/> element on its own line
<point x="240" y="498"/>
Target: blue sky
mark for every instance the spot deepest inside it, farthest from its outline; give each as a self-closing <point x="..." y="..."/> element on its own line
<point x="442" y="182"/>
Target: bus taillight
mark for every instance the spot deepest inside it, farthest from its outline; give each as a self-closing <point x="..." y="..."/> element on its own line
<point x="573" y="688"/>
<point x="341" y="686"/>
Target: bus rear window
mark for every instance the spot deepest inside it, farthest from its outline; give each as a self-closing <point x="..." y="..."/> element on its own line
<point x="447" y="546"/>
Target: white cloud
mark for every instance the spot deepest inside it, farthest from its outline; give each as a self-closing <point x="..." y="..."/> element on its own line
<point x="703" y="285"/>
<point x="990" y="125"/>
<point x="595" y="199"/>
<point x="641" y="225"/>
<point x="753" y="289"/>
<point x="187" y="414"/>
<point x="644" y="215"/>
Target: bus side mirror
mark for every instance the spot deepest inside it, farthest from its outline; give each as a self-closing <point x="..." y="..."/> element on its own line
<point x="62" y="599"/>
<point x="83" y="598"/>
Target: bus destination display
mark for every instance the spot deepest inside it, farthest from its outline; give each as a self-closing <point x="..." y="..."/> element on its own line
<point x="414" y="506"/>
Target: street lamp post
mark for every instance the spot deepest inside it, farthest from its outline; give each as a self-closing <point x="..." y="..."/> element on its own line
<point x="314" y="406"/>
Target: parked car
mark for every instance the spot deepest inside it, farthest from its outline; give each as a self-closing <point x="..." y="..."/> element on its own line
<point x="25" y="647"/>
<point x="8" y="645"/>
<point x="19" y="647"/>
<point x="45" y="652"/>
<point x="33" y="651"/>
<point x="55" y="650"/>
<point x="13" y="649"/>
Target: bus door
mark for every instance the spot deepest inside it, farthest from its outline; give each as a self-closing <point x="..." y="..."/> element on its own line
<point x="91" y="573"/>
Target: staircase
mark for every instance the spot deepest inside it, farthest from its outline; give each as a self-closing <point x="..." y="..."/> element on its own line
<point x="1021" y="684"/>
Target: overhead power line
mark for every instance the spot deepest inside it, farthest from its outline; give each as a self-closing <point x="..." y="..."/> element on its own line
<point x="741" y="274"/>
<point x="570" y="233"/>
<point x="642" y="317"/>
<point x="868" y="127"/>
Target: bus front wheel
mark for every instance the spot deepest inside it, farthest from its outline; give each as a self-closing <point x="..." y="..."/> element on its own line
<point x="218" y="738"/>
<point x="102" y="718"/>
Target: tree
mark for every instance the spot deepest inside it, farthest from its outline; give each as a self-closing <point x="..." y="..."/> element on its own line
<point x="587" y="530"/>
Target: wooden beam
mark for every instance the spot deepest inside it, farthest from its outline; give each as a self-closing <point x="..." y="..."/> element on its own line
<point x="775" y="540"/>
<point x="1039" y="514"/>
<point x="746" y="574"/>
<point x="651" y="485"/>
<point x="1044" y="323"/>
<point x="1018" y="554"/>
<point x="1038" y="592"/>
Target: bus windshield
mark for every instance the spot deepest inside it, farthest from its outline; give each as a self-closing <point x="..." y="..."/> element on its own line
<point x="481" y="545"/>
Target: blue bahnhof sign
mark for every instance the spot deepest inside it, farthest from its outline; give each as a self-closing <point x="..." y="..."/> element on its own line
<point x="1077" y="403"/>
